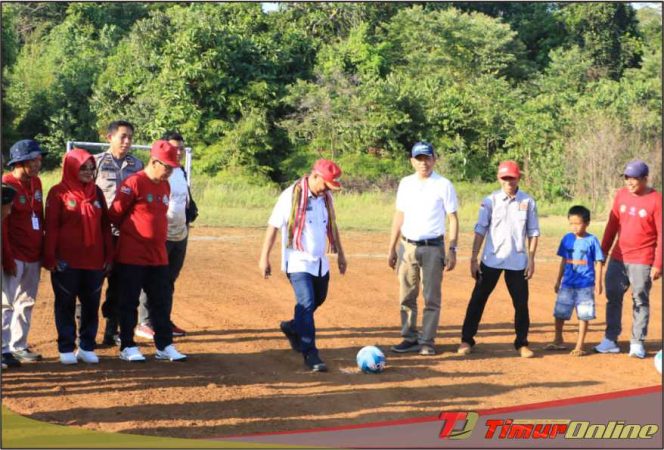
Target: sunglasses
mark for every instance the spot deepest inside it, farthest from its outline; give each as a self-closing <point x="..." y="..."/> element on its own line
<point x="87" y="169"/>
<point x="165" y="165"/>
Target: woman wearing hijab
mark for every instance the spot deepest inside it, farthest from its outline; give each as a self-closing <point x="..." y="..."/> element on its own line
<point x="78" y="250"/>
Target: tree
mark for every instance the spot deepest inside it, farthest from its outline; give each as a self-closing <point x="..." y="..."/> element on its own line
<point x="49" y="86"/>
<point x="534" y="22"/>
<point x="607" y="33"/>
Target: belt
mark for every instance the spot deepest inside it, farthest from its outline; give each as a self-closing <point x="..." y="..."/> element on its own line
<point x="433" y="242"/>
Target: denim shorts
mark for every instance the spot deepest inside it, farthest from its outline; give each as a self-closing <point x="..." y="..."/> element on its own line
<point x="583" y="299"/>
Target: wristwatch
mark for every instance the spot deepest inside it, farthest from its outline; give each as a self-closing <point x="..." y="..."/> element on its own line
<point x="453" y="249"/>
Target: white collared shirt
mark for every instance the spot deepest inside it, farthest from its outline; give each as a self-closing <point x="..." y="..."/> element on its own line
<point x="314" y="235"/>
<point x="506" y="222"/>
<point x="425" y="204"/>
<point x="177" y="206"/>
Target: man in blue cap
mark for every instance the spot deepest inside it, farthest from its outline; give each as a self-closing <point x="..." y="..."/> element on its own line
<point x="424" y="200"/>
<point x="21" y="256"/>
<point x="8" y="194"/>
<point x="636" y="259"/>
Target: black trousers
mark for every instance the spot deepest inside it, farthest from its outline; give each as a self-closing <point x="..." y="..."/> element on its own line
<point x="154" y="281"/>
<point x="176" y="251"/>
<point x="67" y="285"/>
<point x="517" y="286"/>
<point x="109" y="309"/>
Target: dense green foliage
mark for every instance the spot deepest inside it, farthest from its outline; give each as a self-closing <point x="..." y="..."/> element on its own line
<point x="570" y="90"/>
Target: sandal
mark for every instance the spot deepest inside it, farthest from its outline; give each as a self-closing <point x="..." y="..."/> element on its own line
<point x="555" y="346"/>
<point x="576" y="352"/>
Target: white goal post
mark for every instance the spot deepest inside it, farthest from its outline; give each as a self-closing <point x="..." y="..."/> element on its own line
<point x="104" y="145"/>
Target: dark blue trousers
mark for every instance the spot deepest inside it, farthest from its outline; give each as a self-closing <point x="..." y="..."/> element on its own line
<point x="310" y="293"/>
<point x="67" y="285"/>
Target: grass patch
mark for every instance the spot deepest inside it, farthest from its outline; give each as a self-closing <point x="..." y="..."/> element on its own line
<point x="228" y="200"/>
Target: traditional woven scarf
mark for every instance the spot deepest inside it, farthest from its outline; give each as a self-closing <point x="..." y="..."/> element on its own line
<point x="298" y="213"/>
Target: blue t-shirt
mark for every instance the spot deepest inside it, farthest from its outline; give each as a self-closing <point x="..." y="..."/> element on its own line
<point x="580" y="255"/>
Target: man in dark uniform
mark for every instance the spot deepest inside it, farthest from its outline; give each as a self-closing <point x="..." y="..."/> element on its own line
<point x="113" y="167"/>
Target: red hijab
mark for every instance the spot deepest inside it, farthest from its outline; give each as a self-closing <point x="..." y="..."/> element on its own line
<point x="85" y="194"/>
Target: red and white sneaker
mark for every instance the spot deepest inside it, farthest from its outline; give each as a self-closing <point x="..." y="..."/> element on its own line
<point x="177" y="331"/>
<point x="144" y="331"/>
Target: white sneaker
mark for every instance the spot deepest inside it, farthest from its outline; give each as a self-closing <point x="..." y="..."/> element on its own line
<point x="607" y="346"/>
<point x="68" y="358"/>
<point x="637" y="351"/>
<point x="132" y="354"/>
<point x="170" y="353"/>
<point x="87" y="356"/>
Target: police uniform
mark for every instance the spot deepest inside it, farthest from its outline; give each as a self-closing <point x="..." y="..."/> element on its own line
<point x="110" y="173"/>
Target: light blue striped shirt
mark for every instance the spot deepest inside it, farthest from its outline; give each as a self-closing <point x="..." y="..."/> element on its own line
<point x="507" y="223"/>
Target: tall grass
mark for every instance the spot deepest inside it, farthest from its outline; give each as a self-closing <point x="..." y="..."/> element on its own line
<point x="236" y="201"/>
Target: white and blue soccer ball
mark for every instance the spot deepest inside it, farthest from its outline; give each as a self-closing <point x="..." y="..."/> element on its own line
<point x="371" y="360"/>
<point x="658" y="361"/>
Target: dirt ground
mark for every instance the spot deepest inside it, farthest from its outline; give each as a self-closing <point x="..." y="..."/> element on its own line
<point x="242" y="377"/>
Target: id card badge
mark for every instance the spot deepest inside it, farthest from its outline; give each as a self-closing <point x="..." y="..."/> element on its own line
<point x="35" y="222"/>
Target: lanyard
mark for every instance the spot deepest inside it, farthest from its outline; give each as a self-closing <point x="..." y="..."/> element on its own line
<point x="27" y="194"/>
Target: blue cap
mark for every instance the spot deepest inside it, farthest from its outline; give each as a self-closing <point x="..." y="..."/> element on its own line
<point x="421" y="148"/>
<point x="24" y="150"/>
<point x="636" y="169"/>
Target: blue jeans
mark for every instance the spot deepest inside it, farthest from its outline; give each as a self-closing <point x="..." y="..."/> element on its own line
<point x="310" y="293"/>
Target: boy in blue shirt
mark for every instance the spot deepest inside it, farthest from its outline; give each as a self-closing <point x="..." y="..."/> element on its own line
<point x="575" y="286"/>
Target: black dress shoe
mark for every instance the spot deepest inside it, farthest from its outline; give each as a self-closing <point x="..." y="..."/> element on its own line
<point x="10" y="361"/>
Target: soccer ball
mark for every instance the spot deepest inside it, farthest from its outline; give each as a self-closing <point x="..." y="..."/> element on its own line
<point x="370" y="359"/>
<point x="658" y="361"/>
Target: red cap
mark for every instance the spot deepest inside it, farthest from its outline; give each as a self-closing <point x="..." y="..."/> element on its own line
<point x="165" y="152"/>
<point x="329" y="171"/>
<point x="509" y="169"/>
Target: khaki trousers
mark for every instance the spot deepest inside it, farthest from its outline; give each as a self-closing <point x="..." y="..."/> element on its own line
<point x="420" y="264"/>
<point x="18" y="298"/>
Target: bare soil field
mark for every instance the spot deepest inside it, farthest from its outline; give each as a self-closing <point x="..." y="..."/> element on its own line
<point x="243" y="378"/>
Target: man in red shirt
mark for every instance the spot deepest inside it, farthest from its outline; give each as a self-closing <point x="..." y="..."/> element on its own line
<point x="139" y="211"/>
<point x="636" y="259"/>
<point x="21" y="255"/>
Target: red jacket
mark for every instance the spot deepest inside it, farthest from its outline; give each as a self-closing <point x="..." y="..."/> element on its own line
<point x="139" y="211"/>
<point x="637" y="219"/>
<point x="22" y="241"/>
<point x="64" y="228"/>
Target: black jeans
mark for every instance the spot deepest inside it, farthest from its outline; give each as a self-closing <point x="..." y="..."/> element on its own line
<point x="517" y="286"/>
<point x="154" y="280"/>
<point x="176" y="251"/>
<point x="67" y="285"/>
